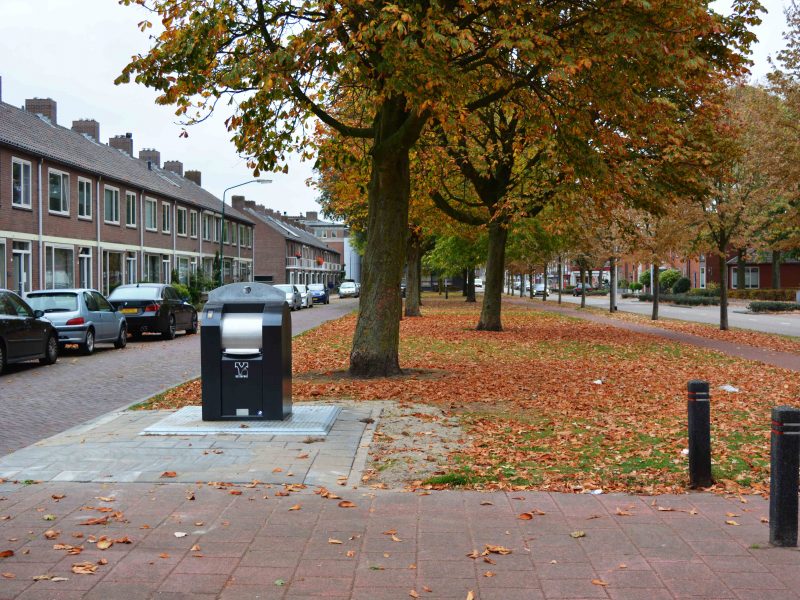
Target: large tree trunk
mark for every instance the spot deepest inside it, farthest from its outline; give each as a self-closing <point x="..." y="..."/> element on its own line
<point x="740" y="269"/>
<point x="412" y="277"/>
<point x="377" y="336"/>
<point x="723" y="292"/>
<point x="613" y="291"/>
<point x="471" y="284"/>
<point x="493" y="286"/>
<point x="560" y="278"/>
<point x="776" y="269"/>
<point x="583" y="286"/>
<point x="531" y="290"/>
<point x="656" y="288"/>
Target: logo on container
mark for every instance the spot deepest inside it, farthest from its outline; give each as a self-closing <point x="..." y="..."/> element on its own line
<point x="242" y="370"/>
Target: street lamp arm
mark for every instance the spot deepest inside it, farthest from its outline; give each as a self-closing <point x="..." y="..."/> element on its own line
<point x="222" y="224"/>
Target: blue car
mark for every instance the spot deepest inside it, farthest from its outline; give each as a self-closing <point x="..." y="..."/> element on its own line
<point x="319" y="293"/>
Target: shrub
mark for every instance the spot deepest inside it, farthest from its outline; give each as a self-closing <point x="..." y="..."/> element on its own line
<point x="704" y="292"/>
<point x="780" y="295"/>
<point x="773" y="306"/>
<point x="636" y="286"/>
<point x="668" y="278"/>
<point x="624" y="284"/>
<point x="682" y="299"/>
<point x="600" y="292"/>
<point x="182" y="290"/>
<point x="644" y="279"/>
<point x="681" y="286"/>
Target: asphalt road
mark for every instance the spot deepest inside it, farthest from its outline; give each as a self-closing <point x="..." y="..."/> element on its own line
<point x="40" y="401"/>
<point x="784" y="324"/>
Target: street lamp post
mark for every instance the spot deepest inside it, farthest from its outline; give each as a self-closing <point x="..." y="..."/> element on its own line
<point x="222" y="229"/>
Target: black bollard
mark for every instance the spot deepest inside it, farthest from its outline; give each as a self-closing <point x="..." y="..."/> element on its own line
<point x="784" y="476"/>
<point x="699" y="409"/>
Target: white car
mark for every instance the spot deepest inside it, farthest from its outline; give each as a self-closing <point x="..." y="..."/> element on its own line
<point x="478" y="283"/>
<point x="306" y="301"/>
<point x="348" y="289"/>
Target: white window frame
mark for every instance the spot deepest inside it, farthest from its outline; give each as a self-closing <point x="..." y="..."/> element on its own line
<point x="216" y="232"/>
<point x="131" y="204"/>
<point x="208" y="227"/>
<point x="181" y="211"/>
<point x="64" y="191"/>
<point x="25" y="192"/>
<point x="115" y="199"/>
<point x="87" y="185"/>
<point x="166" y="217"/>
<point x="4" y="263"/>
<point x="49" y="253"/>
<point x="151" y="202"/>
<point x="131" y="258"/>
<point x="85" y="252"/>
<point x="193" y="224"/>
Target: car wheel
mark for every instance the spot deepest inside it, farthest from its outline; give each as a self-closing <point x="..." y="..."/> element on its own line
<point x="50" y="351"/>
<point x="122" y="340"/>
<point x="87" y="347"/>
<point x="2" y="358"/>
<point x="169" y="333"/>
<point x="193" y="329"/>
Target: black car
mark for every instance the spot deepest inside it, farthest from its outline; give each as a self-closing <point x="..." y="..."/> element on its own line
<point x="154" y="308"/>
<point x="24" y="334"/>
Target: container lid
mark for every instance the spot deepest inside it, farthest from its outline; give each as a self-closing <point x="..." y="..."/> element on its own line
<point x="246" y="292"/>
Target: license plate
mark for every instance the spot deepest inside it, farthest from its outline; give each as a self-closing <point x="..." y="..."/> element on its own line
<point x="129" y="311"/>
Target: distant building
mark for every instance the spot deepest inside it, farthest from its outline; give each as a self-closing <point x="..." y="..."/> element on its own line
<point x="336" y="236"/>
<point x="286" y="252"/>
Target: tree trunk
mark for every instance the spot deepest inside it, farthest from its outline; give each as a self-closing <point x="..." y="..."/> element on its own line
<point x="530" y="282"/>
<point x="544" y="279"/>
<point x="776" y="269"/>
<point x="583" y="286"/>
<point x="412" y="277"/>
<point x="471" y="284"/>
<point x="560" y="278"/>
<point x="465" y="282"/>
<point x="493" y="285"/>
<point x="377" y="337"/>
<point x="613" y="291"/>
<point x="723" y="292"/>
<point x="656" y="291"/>
<point x="740" y="268"/>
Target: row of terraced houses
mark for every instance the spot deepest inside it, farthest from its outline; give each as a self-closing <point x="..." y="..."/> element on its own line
<point x="75" y="212"/>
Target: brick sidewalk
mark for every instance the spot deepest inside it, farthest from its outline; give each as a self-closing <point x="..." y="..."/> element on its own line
<point x="784" y="360"/>
<point x="253" y="546"/>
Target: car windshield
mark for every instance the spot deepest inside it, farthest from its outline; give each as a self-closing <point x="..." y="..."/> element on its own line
<point x="347" y="284"/>
<point x="285" y="288"/>
<point x="54" y="302"/>
<point x="136" y="293"/>
<point x="316" y="287"/>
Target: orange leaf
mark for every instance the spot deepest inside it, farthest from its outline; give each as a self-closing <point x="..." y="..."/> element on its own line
<point x="169" y="474"/>
<point x="599" y="582"/>
<point x="346" y="504"/>
<point x="295" y="507"/>
<point x="6" y="553"/>
<point x="525" y="516"/>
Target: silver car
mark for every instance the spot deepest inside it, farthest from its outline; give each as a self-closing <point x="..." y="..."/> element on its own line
<point x="81" y="316"/>
<point x="306" y="300"/>
<point x="292" y="295"/>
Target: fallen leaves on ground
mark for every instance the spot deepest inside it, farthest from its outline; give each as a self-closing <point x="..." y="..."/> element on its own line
<point x="84" y="568"/>
<point x="167" y="474"/>
<point x="6" y="553"/>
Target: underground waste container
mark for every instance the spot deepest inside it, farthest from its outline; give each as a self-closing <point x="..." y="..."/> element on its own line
<point x="246" y="353"/>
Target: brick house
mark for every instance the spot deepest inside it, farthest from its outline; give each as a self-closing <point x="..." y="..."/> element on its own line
<point x="336" y="236"/>
<point x="287" y="252"/>
<point x="77" y="212"/>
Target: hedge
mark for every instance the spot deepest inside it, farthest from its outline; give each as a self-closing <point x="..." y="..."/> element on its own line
<point x="705" y="292"/>
<point x="773" y="306"/>
<point x="682" y="299"/>
<point x="779" y="295"/>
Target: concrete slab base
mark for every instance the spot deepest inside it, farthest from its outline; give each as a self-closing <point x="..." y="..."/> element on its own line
<point x="304" y="420"/>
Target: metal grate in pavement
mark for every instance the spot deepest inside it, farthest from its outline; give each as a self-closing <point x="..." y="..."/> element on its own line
<point x="304" y="420"/>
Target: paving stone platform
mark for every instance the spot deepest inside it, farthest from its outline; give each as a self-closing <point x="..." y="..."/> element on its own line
<point x="304" y="420"/>
<point x="111" y="449"/>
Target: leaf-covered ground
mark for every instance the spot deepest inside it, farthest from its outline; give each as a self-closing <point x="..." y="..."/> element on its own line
<point x="553" y="402"/>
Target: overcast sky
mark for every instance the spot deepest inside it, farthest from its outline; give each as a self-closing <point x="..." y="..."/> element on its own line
<point x="72" y="51"/>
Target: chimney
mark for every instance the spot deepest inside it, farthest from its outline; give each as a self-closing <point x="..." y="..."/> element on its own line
<point x="122" y="142"/>
<point x="175" y="166"/>
<point x="195" y="176"/>
<point x="251" y="204"/>
<point x="150" y="155"/>
<point x="237" y="202"/>
<point x="42" y="106"/>
<point x="88" y="127"/>
<point x="312" y="215"/>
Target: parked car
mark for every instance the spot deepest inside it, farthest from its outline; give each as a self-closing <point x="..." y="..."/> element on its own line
<point x="305" y="296"/>
<point x="81" y="316"/>
<point x="292" y="295"/>
<point x="348" y="289"/>
<point x="319" y="293"/>
<point x="24" y="333"/>
<point x="577" y="290"/>
<point x="478" y="283"/>
<point x="154" y="308"/>
<point x="539" y="289"/>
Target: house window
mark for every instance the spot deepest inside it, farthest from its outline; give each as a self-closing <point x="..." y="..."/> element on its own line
<point x="193" y="223"/>
<point x="3" y="282"/>
<point x="58" y="192"/>
<point x="59" y="268"/>
<point x="150" y="216"/>
<point x="130" y="267"/>
<point x="111" y="205"/>
<point x="751" y="276"/>
<point x="85" y="268"/>
<point x="166" y="217"/>
<point x="180" y="222"/>
<point x="166" y="268"/>
<point x="183" y="270"/>
<point x="84" y="198"/>
<point x="217" y="228"/>
<point x="20" y="183"/>
<point x="152" y="268"/>
<point x="130" y="209"/>
<point x="207" y="227"/>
